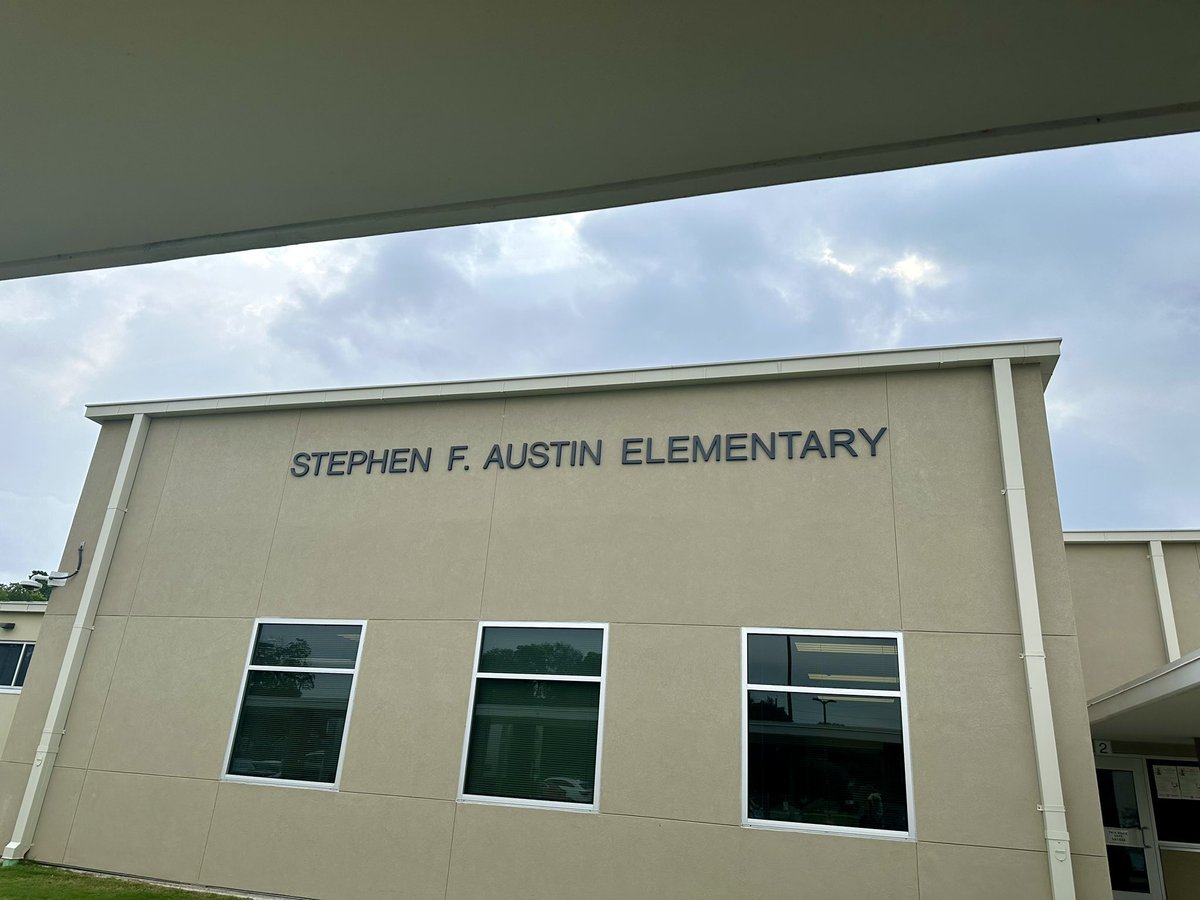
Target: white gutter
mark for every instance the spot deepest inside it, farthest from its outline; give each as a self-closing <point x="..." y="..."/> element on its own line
<point x="1054" y="812"/>
<point x="81" y="632"/>
<point x="1162" y="593"/>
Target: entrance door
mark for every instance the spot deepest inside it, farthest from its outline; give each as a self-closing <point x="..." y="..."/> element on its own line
<point x="1133" y="864"/>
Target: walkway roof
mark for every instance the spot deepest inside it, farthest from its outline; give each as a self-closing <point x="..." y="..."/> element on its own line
<point x="144" y="131"/>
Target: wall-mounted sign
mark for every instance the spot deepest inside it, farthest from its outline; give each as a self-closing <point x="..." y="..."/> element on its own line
<point x="730" y="447"/>
<point x="1123" y="837"/>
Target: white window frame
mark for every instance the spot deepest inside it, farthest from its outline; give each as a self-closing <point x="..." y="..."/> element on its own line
<point x="901" y="695"/>
<point x="594" y="806"/>
<point x="247" y="668"/>
<point x="16" y="688"/>
<point x="1142" y="761"/>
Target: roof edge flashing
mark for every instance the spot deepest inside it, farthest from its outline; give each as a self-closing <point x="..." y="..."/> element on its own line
<point x="1042" y="352"/>
<point x="1133" y="536"/>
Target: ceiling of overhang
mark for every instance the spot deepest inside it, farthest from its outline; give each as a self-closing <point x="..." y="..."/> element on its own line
<point x="1173" y="720"/>
<point x="144" y="130"/>
<point x="1163" y="705"/>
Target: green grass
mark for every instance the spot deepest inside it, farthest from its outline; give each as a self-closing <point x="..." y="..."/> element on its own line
<point x="28" y="881"/>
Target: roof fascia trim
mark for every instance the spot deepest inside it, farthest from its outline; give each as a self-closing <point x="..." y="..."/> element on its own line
<point x="1174" y="535"/>
<point x="1044" y="353"/>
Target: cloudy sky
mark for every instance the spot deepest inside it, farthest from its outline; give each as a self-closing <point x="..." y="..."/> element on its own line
<point x="1098" y="245"/>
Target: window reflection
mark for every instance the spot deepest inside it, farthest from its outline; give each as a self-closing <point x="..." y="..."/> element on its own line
<point x="825" y="738"/>
<point x="541" y="651"/>
<point x="827" y="760"/>
<point x="14" y="663"/>
<point x="535" y="738"/>
<point x="291" y="726"/>
<point x="306" y="646"/>
<point x="824" y="661"/>
<point x="292" y="718"/>
<point x="1119" y="810"/>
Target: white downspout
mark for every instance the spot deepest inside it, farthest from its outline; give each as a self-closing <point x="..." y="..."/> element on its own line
<point x="1045" y="748"/>
<point x="81" y="632"/>
<point x="1162" y="593"/>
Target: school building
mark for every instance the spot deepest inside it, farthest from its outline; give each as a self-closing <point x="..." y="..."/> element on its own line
<point x="795" y="626"/>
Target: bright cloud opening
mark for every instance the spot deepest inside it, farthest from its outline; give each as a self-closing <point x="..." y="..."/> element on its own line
<point x="912" y="271"/>
<point x="829" y="259"/>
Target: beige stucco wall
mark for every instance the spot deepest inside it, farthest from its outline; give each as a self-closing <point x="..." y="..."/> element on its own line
<point x="1120" y="636"/>
<point x="19" y="743"/>
<point x="676" y="558"/>
<point x="1183" y="576"/>
<point x="1116" y="607"/>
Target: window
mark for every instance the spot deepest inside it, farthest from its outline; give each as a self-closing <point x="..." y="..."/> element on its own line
<point x="1174" y="790"/>
<point x="537" y="704"/>
<point x="825" y="732"/>
<point x="296" y="700"/>
<point x="14" y="663"/>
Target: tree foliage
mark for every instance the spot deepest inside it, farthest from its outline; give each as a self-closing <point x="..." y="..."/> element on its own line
<point x="283" y="684"/>
<point x="14" y="593"/>
<point x="541" y="659"/>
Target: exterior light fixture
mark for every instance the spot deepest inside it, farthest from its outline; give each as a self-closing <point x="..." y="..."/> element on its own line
<point x="37" y="580"/>
<point x="824" y="701"/>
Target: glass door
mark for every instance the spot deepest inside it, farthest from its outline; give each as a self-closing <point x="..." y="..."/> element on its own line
<point x="1133" y="865"/>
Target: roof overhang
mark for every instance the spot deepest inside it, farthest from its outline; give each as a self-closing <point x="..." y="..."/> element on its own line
<point x="149" y="131"/>
<point x="1179" y="535"/>
<point x="1042" y="353"/>
<point x="1161" y="706"/>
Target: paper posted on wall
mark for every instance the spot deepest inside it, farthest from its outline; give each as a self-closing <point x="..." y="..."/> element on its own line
<point x="1166" y="783"/>
<point x="1189" y="782"/>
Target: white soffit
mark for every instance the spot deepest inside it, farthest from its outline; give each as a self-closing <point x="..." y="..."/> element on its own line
<point x="144" y="130"/>
<point x="1043" y="353"/>
<point x="1162" y="705"/>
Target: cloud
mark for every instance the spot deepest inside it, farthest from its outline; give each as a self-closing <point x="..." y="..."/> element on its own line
<point x="829" y="259"/>
<point x="912" y="271"/>
<point x="94" y="350"/>
<point x="522" y="249"/>
<point x="1094" y="244"/>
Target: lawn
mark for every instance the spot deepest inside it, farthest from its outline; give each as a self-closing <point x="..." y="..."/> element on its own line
<point x="28" y="881"/>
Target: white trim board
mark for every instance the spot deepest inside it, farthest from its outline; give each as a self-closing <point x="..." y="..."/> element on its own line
<point x="1041" y="352"/>
<point x="1181" y="535"/>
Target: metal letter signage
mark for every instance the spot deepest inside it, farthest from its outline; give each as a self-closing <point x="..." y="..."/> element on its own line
<point x="641" y="450"/>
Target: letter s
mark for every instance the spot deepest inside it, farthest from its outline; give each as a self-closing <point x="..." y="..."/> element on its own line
<point x="300" y="459"/>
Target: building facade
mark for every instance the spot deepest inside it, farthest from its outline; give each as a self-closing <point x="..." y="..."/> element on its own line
<point x="708" y="631"/>
<point x="1137" y="610"/>
<point x="20" y="622"/>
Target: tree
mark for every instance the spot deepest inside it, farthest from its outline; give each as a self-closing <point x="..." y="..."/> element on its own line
<point x="283" y="684"/>
<point x="15" y="593"/>
<point x="541" y="659"/>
